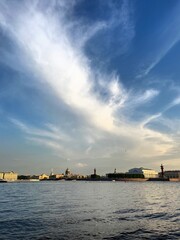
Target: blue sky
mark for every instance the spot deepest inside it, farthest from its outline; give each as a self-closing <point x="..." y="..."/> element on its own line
<point x="87" y="84"/>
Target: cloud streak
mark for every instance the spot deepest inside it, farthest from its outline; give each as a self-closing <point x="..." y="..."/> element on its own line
<point x="46" y="45"/>
<point x="167" y="37"/>
<point x="62" y="66"/>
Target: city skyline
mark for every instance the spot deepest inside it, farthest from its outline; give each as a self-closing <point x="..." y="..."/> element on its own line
<point x="89" y="84"/>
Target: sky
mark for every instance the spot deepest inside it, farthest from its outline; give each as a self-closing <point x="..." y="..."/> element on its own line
<point x="89" y="84"/>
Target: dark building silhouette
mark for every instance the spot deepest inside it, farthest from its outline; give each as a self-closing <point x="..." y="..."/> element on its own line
<point x="95" y="176"/>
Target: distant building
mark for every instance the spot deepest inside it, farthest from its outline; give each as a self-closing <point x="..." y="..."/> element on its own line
<point x="68" y="173"/>
<point x="8" y="176"/>
<point x="43" y="176"/>
<point x="24" y="177"/>
<point x="78" y="176"/>
<point x="147" y="173"/>
<point x="94" y="176"/>
<point x="124" y="175"/>
<point x="1" y="175"/>
<point x="56" y="176"/>
<point x="172" y="174"/>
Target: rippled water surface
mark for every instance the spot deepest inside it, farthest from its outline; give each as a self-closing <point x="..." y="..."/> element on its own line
<point x="90" y="210"/>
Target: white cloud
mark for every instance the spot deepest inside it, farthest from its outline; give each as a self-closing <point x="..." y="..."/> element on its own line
<point x="147" y="96"/>
<point x="47" y="45"/>
<point x="118" y="95"/>
<point x="150" y="119"/>
<point x="81" y="165"/>
<point x="49" y="131"/>
<point x="174" y="103"/>
<point x="59" y="63"/>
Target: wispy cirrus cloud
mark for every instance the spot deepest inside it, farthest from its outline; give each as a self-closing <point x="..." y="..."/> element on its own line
<point x="158" y="57"/>
<point x="49" y="131"/>
<point x="167" y="36"/>
<point x="48" y="49"/>
<point x="159" y="116"/>
<point x="63" y="66"/>
<point x="48" y="136"/>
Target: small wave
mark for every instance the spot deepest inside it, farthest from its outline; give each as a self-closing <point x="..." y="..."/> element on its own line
<point x="130" y="210"/>
<point x="155" y="215"/>
<point x="145" y="235"/>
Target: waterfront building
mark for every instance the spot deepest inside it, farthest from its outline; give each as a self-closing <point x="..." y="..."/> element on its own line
<point x="147" y="173"/>
<point x="68" y="173"/>
<point x="124" y="176"/>
<point x="34" y="177"/>
<point x="24" y="177"/>
<point x="43" y="176"/>
<point x="95" y="176"/>
<point x="56" y="176"/>
<point x="8" y="176"/>
<point x="1" y="175"/>
<point x="172" y="174"/>
<point x="78" y="176"/>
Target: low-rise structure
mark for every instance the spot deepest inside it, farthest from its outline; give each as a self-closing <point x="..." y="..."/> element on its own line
<point x="43" y="176"/>
<point x="1" y="175"/>
<point x="8" y="176"/>
<point x="116" y="176"/>
<point x="56" y="176"/>
<point x="80" y="176"/>
<point x="172" y="174"/>
<point x="147" y="173"/>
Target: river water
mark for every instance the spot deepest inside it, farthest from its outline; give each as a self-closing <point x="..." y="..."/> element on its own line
<point x="90" y="210"/>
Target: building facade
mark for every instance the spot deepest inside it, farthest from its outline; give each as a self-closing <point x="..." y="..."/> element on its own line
<point x="43" y="176"/>
<point x="56" y="176"/>
<point x="1" y="175"/>
<point x="68" y="173"/>
<point x="172" y="174"/>
<point x="9" y="176"/>
<point x="148" y="173"/>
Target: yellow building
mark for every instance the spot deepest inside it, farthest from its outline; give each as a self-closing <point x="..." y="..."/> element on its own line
<point x="8" y="176"/>
<point x="43" y="176"/>
<point x="1" y="175"/>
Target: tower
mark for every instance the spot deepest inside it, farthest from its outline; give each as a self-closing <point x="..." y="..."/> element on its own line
<point x="162" y="171"/>
<point x="51" y="174"/>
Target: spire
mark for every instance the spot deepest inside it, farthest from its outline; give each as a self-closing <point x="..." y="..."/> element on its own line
<point x="51" y="172"/>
